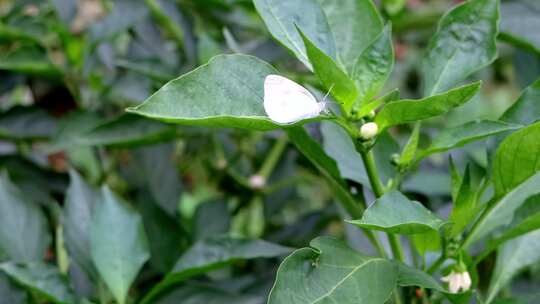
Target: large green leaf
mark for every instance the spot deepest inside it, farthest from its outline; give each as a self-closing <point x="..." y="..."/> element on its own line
<point x="374" y="65"/>
<point x="127" y="130"/>
<point x="469" y="132"/>
<point x="395" y="213"/>
<point x="333" y="78"/>
<point x="463" y="44"/>
<point x="518" y="17"/>
<point x="24" y="232"/>
<point x="81" y="199"/>
<point x="282" y="17"/>
<point x="516" y="159"/>
<point x="514" y="256"/>
<point x="42" y="279"/>
<point x="501" y="213"/>
<point x="526" y="109"/>
<point x="408" y="110"/>
<point x="215" y="253"/>
<point x="331" y="272"/>
<point x="118" y="243"/>
<point x="363" y="25"/>
<point x="226" y="92"/>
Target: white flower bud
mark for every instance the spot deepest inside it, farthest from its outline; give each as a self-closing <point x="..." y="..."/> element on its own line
<point x="369" y="130"/>
<point x="257" y="181"/>
<point x="458" y="281"/>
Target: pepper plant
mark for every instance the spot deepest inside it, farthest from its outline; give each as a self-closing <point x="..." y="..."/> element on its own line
<point x="374" y="231"/>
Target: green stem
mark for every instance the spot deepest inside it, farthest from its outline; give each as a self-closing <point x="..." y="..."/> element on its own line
<point x="378" y="190"/>
<point x="436" y="264"/>
<point x="273" y="157"/>
<point x="479" y="223"/>
<point x="164" y="20"/>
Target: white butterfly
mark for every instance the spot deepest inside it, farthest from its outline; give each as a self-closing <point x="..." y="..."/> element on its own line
<point x="285" y="101"/>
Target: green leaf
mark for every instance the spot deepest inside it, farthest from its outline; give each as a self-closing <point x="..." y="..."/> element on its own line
<point x="366" y="109"/>
<point x="363" y="25"/>
<point x="518" y="17"/>
<point x="331" y="272"/>
<point x="10" y="292"/>
<point x="501" y="213"/>
<point x="26" y="123"/>
<point x="428" y="241"/>
<point x="42" y="279"/>
<point x="459" y="136"/>
<point x="463" y="44"/>
<point x="514" y="256"/>
<point x="526" y="110"/>
<point x="338" y="145"/>
<point x="407" y="155"/>
<point x="282" y="17"/>
<point x="127" y="130"/>
<point x="118" y="243"/>
<point x="81" y="199"/>
<point x="408" y="110"/>
<point x="215" y="253"/>
<point x="73" y="126"/>
<point x="331" y="75"/>
<point x="31" y="61"/>
<point x="316" y="155"/>
<point x="516" y="159"/>
<point x="374" y="65"/>
<point x="465" y="206"/>
<point x="410" y="276"/>
<point x="24" y="232"/>
<point x="395" y="213"/>
<point x="226" y="92"/>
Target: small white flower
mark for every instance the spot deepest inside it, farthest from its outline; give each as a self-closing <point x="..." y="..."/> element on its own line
<point x="369" y="130"/>
<point x="458" y="281"/>
<point x="257" y="181"/>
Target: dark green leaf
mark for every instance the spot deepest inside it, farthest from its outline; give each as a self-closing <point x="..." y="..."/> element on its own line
<point x="41" y="278"/>
<point x="407" y="155"/>
<point x="118" y="243"/>
<point x="214" y="253"/>
<point x="226" y="92"/>
<point x="463" y="44"/>
<point x="127" y="130"/>
<point x="514" y="256"/>
<point x="363" y="25"/>
<point x="10" y="292"/>
<point x="526" y="110"/>
<point x="282" y="17"/>
<point x="31" y="61"/>
<point x="408" y="110"/>
<point x="373" y="66"/>
<point x="26" y="123"/>
<point x="24" y="232"/>
<point x="502" y="212"/>
<point x="459" y="136"/>
<point x="410" y="276"/>
<point x="395" y="213"/>
<point x="81" y="199"/>
<point x="331" y="272"/>
<point x="333" y="78"/>
<point x="465" y="205"/>
<point x="197" y="293"/>
<point x="516" y="159"/>
<point x="338" y="144"/>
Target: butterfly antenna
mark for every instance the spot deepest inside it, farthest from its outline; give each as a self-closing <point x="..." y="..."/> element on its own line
<point x="328" y="93"/>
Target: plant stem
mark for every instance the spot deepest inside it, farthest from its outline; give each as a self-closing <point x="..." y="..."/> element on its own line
<point x="378" y="190"/>
<point x="273" y="157"/>
<point x="164" y="20"/>
<point x="472" y="233"/>
<point x="436" y="264"/>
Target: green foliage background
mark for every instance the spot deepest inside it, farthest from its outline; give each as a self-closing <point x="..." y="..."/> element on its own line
<point x="133" y="143"/>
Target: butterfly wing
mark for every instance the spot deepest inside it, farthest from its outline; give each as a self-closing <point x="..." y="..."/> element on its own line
<point x="285" y="101"/>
